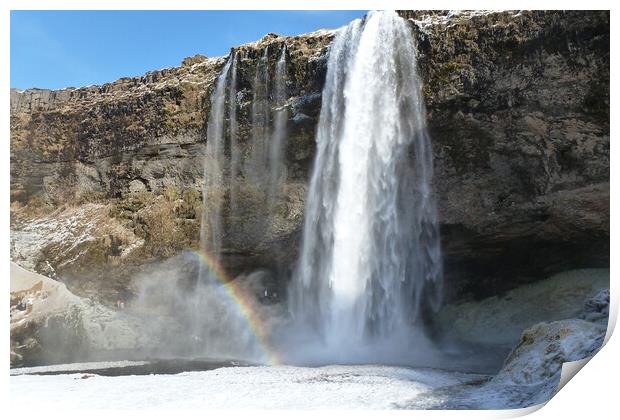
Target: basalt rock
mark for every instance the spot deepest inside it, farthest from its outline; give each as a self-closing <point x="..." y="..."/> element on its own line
<point x="518" y="106"/>
<point x="518" y="112"/>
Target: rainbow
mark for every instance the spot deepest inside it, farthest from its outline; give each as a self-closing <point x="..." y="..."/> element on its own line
<point x="242" y="303"/>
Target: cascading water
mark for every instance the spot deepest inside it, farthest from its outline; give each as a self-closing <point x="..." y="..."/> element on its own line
<point x="279" y="130"/>
<point x="211" y="226"/>
<point x="233" y="131"/>
<point x="263" y="169"/>
<point x="260" y="122"/>
<point x="231" y="335"/>
<point x="370" y="261"/>
<point x="216" y="325"/>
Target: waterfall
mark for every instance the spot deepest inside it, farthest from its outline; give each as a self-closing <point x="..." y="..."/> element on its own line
<point x="217" y="325"/>
<point x="213" y="190"/>
<point x="260" y="122"/>
<point x="212" y="326"/>
<point x="233" y="130"/>
<point x="370" y="261"/>
<point x="263" y="170"/>
<point x="279" y="130"/>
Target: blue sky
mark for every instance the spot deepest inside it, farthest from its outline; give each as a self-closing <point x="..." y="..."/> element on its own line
<point x="56" y="49"/>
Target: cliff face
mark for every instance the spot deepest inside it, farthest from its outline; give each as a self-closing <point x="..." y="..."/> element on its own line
<point x="518" y="112"/>
<point x="518" y="109"/>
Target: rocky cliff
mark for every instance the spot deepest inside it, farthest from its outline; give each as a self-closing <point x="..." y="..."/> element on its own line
<point x="105" y="179"/>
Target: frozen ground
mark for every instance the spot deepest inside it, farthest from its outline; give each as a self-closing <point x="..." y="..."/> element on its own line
<point x="279" y="387"/>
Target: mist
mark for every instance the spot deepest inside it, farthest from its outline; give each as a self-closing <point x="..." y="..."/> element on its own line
<point x="189" y="318"/>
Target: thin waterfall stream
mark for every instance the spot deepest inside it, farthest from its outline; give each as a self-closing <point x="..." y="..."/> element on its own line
<point x="256" y="169"/>
<point x="213" y="192"/>
<point x="280" y="116"/>
<point x="233" y="135"/>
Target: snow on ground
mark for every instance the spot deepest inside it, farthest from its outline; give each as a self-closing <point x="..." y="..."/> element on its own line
<point x="277" y="387"/>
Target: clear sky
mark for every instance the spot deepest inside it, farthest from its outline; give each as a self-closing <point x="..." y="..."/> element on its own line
<point x="56" y="49"/>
